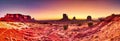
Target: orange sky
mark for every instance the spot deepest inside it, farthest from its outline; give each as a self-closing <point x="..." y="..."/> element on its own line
<point x="54" y="9"/>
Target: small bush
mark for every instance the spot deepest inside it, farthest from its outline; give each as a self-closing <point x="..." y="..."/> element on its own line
<point x="65" y="27"/>
<point x="79" y="24"/>
<point x="45" y="22"/>
<point x="90" y="24"/>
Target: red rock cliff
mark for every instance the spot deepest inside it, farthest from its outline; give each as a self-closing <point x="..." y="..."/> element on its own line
<point x="17" y="17"/>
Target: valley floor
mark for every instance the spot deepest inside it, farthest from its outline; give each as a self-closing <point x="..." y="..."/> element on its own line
<point x="18" y="31"/>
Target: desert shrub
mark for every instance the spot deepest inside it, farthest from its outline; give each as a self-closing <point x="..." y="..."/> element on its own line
<point x="45" y="22"/>
<point x="79" y="24"/>
<point x="65" y="27"/>
<point x="90" y="24"/>
<point x="72" y="23"/>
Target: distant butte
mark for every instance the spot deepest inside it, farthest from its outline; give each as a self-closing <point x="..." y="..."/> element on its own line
<point x="89" y="18"/>
<point x="65" y="17"/>
<point x="74" y="18"/>
<point x="17" y="18"/>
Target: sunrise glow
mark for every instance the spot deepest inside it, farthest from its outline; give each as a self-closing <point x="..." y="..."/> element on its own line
<point x="44" y="10"/>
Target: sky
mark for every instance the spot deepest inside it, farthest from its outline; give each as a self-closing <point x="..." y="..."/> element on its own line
<point x="53" y="9"/>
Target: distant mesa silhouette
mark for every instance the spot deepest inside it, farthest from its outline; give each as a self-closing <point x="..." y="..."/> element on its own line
<point x="17" y="17"/>
<point x="74" y="18"/>
<point x="65" y="17"/>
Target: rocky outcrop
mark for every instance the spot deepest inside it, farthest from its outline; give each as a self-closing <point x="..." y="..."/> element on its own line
<point x="106" y="30"/>
<point x="109" y="29"/>
<point x="89" y="18"/>
<point x="17" y="17"/>
<point x="113" y="17"/>
<point x="74" y="18"/>
<point x="65" y="17"/>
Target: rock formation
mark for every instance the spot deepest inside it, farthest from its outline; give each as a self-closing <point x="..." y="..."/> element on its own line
<point x="113" y="17"/>
<point x="74" y="18"/>
<point x="65" y="17"/>
<point x="17" y="17"/>
<point x="89" y="18"/>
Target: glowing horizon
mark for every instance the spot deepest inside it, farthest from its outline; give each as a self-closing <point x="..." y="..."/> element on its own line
<point x="49" y="10"/>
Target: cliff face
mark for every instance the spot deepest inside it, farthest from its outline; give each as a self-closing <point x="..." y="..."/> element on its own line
<point x="17" y="17"/>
